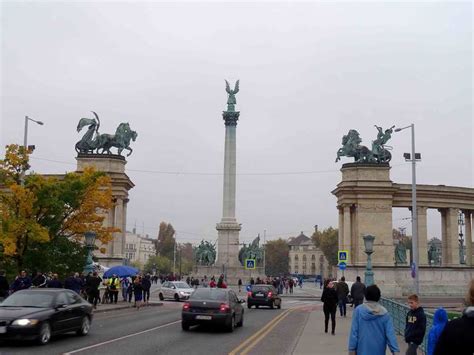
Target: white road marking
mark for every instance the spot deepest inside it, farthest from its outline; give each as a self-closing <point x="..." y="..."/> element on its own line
<point x="120" y="338"/>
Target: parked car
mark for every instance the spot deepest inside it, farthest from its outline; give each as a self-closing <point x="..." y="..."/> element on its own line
<point x="38" y="314"/>
<point x="263" y="295"/>
<point x="213" y="306"/>
<point x="177" y="290"/>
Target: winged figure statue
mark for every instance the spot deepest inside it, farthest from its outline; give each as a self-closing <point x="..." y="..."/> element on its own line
<point x="231" y="101"/>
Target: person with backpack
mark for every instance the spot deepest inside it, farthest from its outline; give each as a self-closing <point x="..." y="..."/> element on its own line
<point x="329" y="299"/>
<point x="358" y="292"/>
<point x="342" y="290"/>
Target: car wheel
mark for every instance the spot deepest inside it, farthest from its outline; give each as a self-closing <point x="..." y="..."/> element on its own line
<point x="279" y="305"/>
<point x="272" y="304"/>
<point x="249" y="305"/>
<point x="256" y="306"/>
<point x="241" y="321"/>
<point x="85" y="326"/>
<point x="161" y="297"/>
<point x="185" y="326"/>
<point x="176" y="297"/>
<point x="44" y="333"/>
<point x="231" y="325"/>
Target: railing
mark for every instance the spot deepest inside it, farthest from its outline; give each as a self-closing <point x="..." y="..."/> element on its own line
<point x="398" y="311"/>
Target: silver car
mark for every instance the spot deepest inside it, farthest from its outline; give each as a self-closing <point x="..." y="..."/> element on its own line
<point x="177" y="290"/>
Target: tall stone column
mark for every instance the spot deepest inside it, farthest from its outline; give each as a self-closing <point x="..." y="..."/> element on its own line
<point x="346" y="242"/>
<point x="452" y="247"/>
<point x="228" y="229"/>
<point x="340" y="234"/>
<point x="422" y="236"/>
<point x="119" y="223"/>
<point x="468" y="237"/>
<point x="444" y="237"/>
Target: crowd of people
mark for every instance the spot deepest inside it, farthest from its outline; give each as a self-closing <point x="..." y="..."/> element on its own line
<point x="372" y="328"/>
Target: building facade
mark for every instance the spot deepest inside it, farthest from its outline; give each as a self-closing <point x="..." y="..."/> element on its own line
<point x="306" y="258"/>
<point x="138" y="248"/>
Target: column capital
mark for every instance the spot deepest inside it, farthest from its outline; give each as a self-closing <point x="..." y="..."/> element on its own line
<point x="230" y="118"/>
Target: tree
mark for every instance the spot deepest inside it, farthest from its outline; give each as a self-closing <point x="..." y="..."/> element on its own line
<point x="277" y="259"/>
<point x="48" y="210"/>
<point x="162" y="265"/>
<point x="327" y="241"/>
<point x="166" y="242"/>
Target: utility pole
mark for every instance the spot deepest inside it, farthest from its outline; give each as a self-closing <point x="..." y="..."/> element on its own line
<point x="264" y="251"/>
<point x="174" y="256"/>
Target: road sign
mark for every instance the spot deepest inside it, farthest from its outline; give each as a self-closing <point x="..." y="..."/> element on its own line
<point x="342" y="265"/>
<point x="342" y="256"/>
<point x="250" y="264"/>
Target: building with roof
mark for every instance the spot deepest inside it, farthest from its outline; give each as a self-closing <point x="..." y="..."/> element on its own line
<point x="306" y="258"/>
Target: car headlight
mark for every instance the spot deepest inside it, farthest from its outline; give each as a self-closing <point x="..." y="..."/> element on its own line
<point x="25" y="322"/>
<point x="182" y="293"/>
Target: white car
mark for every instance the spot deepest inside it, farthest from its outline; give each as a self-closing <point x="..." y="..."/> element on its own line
<point x="177" y="290"/>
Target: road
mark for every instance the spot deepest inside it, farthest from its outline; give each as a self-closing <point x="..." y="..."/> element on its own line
<point x="157" y="329"/>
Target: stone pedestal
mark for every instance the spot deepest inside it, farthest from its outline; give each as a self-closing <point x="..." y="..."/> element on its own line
<point x="228" y="244"/>
<point x="365" y="197"/>
<point x="114" y="167"/>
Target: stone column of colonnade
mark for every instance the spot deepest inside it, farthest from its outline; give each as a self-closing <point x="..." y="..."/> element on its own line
<point x="348" y="238"/>
<point x="422" y="236"/>
<point x="468" y="237"/>
<point x="449" y="231"/>
<point x="119" y="222"/>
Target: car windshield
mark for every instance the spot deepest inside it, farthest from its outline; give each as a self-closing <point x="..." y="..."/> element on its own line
<point x="29" y="299"/>
<point x="213" y="294"/>
<point x="260" y="288"/>
<point x="182" y="285"/>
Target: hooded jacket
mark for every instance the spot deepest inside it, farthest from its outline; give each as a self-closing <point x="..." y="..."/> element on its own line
<point x="457" y="336"/>
<point x="372" y="330"/>
<point x="439" y="322"/>
<point x="415" y="326"/>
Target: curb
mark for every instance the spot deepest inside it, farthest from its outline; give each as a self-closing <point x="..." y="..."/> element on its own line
<point x="118" y="308"/>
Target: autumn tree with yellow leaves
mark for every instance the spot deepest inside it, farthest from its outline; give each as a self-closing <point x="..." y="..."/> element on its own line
<point x="43" y="220"/>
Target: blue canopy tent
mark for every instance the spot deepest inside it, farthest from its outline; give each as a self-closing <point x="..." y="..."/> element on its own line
<point x="121" y="271"/>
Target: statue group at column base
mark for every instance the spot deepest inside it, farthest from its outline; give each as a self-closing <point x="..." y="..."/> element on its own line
<point x="232" y="274"/>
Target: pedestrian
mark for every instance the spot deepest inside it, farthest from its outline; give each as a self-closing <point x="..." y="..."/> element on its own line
<point x="252" y="281"/>
<point x="92" y="288"/>
<point x="39" y="280"/>
<point x="124" y="283"/>
<point x="286" y="286"/>
<point x="221" y="283"/>
<point x="239" y="283"/>
<point x="212" y="283"/>
<point x="457" y="336"/>
<point x="113" y="286"/>
<point x="440" y="319"/>
<point x="54" y="282"/>
<point x="74" y="283"/>
<point x="357" y="292"/>
<point x="342" y="290"/>
<point x="138" y="291"/>
<point x="22" y="282"/>
<point x="146" y="285"/>
<point x="415" y="325"/>
<point x="372" y="328"/>
<point x="291" y="285"/>
<point x="4" y="286"/>
<point x="329" y="299"/>
<point x="130" y="290"/>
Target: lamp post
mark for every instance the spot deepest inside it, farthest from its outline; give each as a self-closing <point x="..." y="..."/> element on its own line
<point x="369" y="249"/>
<point x="25" y="141"/>
<point x="413" y="157"/>
<point x="461" y="238"/>
<point x="90" y="243"/>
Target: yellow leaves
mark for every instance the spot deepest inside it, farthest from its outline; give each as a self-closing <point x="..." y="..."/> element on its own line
<point x="15" y="163"/>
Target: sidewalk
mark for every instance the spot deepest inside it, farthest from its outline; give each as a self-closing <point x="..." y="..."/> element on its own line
<point x="313" y="340"/>
<point x="108" y="307"/>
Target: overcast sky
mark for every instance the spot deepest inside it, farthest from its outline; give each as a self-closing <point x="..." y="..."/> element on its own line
<point x="308" y="73"/>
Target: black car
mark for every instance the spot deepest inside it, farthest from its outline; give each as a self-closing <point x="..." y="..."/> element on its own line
<point x="263" y="295"/>
<point x="37" y="314"/>
<point x="213" y="306"/>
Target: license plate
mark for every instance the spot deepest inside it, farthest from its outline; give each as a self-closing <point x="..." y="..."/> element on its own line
<point x="3" y="330"/>
<point x="259" y="295"/>
<point x="204" y="317"/>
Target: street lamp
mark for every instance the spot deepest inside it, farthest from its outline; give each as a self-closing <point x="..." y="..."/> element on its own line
<point x="413" y="157"/>
<point x="90" y="244"/>
<point x="369" y="249"/>
<point x="461" y="239"/>
<point x="25" y="141"/>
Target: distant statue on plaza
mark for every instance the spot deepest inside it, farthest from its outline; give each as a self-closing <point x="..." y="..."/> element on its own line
<point x="380" y="153"/>
<point x="93" y="141"/>
<point x="400" y="254"/>
<point x="231" y="100"/>
<point x="205" y="253"/>
<point x="252" y="251"/>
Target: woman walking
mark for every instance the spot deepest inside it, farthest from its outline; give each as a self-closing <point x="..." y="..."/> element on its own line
<point x="138" y="291"/>
<point x="329" y="299"/>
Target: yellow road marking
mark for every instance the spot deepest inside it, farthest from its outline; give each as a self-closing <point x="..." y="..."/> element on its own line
<point x="249" y="340"/>
<point x="269" y="329"/>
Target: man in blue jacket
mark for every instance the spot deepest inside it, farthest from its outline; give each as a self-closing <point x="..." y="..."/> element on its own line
<point x="372" y="328"/>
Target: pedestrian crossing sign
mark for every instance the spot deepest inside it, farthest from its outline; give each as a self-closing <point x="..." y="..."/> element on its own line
<point x="250" y="264"/>
<point x="342" y="256"/>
